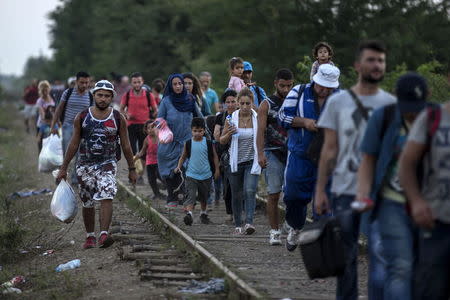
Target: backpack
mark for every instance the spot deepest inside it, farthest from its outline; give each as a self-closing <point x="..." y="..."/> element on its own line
<point x="258" y="94"/>
<point x="210" y="153"/>
<point x="322" y="248"/>
<point x="116" y="114"/>
<point x="68" y="94"/>
<point x="149" y="102"/>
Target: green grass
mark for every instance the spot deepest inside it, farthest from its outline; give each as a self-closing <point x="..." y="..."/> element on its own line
<point x="25" y="222"/>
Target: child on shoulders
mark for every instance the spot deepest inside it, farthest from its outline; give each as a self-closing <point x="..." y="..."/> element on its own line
<point x="236" y="65"/>
<point x="203" y="163"/>
<point x="322" y="53"/>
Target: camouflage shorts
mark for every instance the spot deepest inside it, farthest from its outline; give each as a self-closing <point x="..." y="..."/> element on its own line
<point x="97" y="182"/>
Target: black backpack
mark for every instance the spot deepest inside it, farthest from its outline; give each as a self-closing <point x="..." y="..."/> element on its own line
<point x="210" y="153"/>
<point x="116" y="114"/>
<point x="68" y="94"/>
<point x="149" y="102"/>
<point x="322" y="248"/>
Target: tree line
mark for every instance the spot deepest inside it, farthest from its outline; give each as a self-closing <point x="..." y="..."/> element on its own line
<point x="159" y="37"/>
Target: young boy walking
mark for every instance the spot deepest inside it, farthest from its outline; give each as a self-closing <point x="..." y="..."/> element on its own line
<point x="202" y="164"/>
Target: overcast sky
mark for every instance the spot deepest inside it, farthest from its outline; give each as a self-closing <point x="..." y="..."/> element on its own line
<point x="24" y="32"/>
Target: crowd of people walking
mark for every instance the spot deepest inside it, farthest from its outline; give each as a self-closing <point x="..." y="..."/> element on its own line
<point x="313" y="142"/>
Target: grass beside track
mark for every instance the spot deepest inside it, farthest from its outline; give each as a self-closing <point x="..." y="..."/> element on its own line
<point x="26" y="222"/>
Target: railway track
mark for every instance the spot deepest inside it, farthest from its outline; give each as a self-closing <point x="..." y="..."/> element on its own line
<point x="252" y="268"/>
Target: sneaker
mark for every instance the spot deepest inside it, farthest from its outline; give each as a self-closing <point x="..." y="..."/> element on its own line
<point x="292" y="239"/>
<point x="105" y="240"/>
<point x="90" y="242"/>
<point x="285" y="228"/>
<point x="188" y="219"/>
<point x="205" y="219"/>
<point x="237" y="231"/>
<point x="249" y="229"/>
<point x="274" y="237"/>
<point x="171" y="205"/>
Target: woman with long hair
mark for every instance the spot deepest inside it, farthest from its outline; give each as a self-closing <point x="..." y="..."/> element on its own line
<point x="193" y="86"/>
<point x="241" y="128"/>
<point x="44" y="101"/>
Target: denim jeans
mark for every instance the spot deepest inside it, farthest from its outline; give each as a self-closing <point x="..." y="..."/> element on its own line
<point x="397" y="237"/>
<point x="347" y="284"/>
<point x="432" y="279"/>
<point x="243" y="187"/>
<point x="67" y="131"/>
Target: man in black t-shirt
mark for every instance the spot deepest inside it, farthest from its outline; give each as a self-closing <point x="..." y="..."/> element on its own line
<point x="272" y="150"/>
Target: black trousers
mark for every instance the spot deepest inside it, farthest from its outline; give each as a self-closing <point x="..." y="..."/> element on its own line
<point x="152" y="175"/>
<point x="137" y="136"/>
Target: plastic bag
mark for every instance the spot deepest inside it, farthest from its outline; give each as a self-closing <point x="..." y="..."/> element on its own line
<point x="165" y="135"/>
<point x="139" y="167"/>
<point x="64" y="204"/>
<point x="51" y="155"/>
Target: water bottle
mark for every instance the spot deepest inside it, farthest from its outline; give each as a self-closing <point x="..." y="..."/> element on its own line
<point x="230" y="123"/>
<point x="68" y="265"/>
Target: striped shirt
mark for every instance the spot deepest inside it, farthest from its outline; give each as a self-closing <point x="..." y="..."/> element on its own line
<point x="76" y="104"/>
<point x="245" y="145"/>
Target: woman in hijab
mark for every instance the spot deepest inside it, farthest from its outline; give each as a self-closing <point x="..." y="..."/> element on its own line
<point x="177" y="107"/>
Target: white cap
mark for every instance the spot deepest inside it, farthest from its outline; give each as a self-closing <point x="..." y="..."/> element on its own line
<point x="104" y="85"/>
<point x="327" y="76"/>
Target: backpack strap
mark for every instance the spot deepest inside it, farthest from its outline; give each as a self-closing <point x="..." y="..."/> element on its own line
<point x="83" y="115"/>
<point x="127" y="98"/>
<point x="66" y="99"/>
<point x="91" y="99"/>
<point x="211" y="156"/>
<point x="188" y="148"/>
<point x="433" y="120"/>
<point x="258" y="94"/>
<point x="116" y="114"/>
<point x="388" y="116"/>
<point x="299" y="95"/>
<point x="359" y="105"/>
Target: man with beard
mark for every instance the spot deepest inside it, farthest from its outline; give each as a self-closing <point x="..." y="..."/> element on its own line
<point x="97" y="131"/>
<point x="138" y="105"/>
<point x="299" y="114"/>
<point x="272" y="152"/>
<point x="344" y="121"/>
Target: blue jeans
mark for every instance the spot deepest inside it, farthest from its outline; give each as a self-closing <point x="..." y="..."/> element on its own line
<point x="433" y="267"/>
<point x="347" y="284"/>
<point x="67" y="131"/>
<point x="397" y="237"/>
<point x="243" y="187"/>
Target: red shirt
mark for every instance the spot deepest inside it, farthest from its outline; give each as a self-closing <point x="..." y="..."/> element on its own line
<point x="152" y="150"/>
<point x="31" y="94"/>
<point x="137" y="106"/>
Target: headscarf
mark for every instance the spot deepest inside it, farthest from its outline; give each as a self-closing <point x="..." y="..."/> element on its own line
<point x="183" y="102"/>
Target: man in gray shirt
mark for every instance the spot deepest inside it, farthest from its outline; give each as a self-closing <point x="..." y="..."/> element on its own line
<point x="73" y="100"/>
<point x="344" y="120"/>
<point x="430" y="206"/>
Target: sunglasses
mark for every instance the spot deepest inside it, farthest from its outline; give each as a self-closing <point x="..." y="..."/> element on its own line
<point x="104" y="84"/>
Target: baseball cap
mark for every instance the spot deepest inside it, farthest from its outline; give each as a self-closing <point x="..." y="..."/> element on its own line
<point x="104" y="85"/>
<point x="327" y="75"/>
<point x="248" y="66"/>
<point x="412" y="91"/>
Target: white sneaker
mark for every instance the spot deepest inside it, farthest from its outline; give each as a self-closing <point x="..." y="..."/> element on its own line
<point x="274" y="237"/>
<point x="285" y="228"/>
<point x="292" y="239"/>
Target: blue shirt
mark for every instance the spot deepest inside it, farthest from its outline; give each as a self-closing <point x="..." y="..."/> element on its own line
<point x="293" y="106"/>
<point x="198" y="165"/>
<point x="383" y="148"/>
<point x="211" y="98"/>
<point x="262" y="95"/>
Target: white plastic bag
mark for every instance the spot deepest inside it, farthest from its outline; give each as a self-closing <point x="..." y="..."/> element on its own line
<point x="51" y="155"/>
<point x="64" y="204"/>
